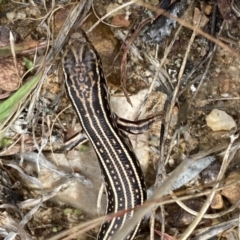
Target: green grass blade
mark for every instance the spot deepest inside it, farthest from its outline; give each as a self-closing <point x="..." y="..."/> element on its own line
<point x="8" y="106"/>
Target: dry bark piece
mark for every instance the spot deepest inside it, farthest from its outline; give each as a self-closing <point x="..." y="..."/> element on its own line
<point x="224" y="84"/>
<point x="9" y="74"/>
<point x="210" y="173"/>
<point x="4" y="36"/>
<point x="232" y="192"/>
<point x="197" y="15"/>
<point x="183" y="218"/>
<point x="224" y="7"/>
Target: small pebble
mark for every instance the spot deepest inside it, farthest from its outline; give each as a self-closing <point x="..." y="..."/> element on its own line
<point x="11" y="15"/>
<point x="21" y="15"/>
<point x="217" y="202"/>
<point x="219" y="120"/>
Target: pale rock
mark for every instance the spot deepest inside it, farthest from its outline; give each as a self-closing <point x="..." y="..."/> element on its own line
<point x="219" y="120"/>
<point x="217" y="202"/>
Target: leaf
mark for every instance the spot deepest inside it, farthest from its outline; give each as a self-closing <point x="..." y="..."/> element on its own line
<point x="9" y="106"/>
<point x="28" y="63"/>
